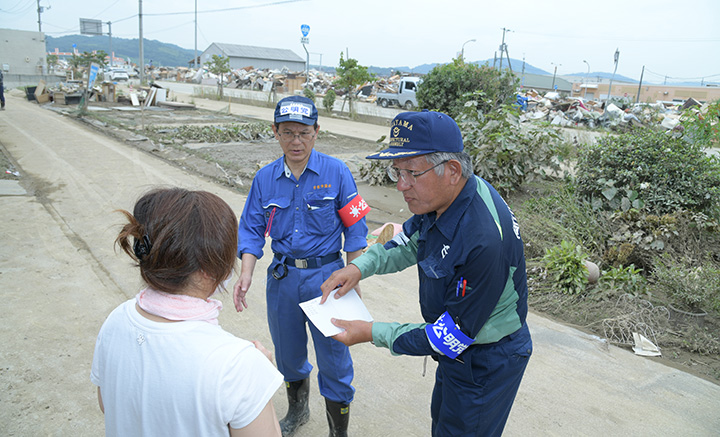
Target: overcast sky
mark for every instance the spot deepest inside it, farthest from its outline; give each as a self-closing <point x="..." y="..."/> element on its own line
<point x="675" y="38"/>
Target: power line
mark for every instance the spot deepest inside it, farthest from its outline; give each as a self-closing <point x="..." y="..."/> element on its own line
<point x="228" y="9"/>
<point x="165" y="14"/>
<point x="682" y="78"/>
<point x="20" y="9"/>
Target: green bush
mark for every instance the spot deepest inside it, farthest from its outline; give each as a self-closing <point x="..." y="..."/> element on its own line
<point x="506" y="152"/>
<point x="565" y="265"/>
<point x="653" y="170"/>
<point x="445" y="87"/>
<point x="307" y="92"/>
<point x="625" y="280"/>
<point x="554" y="213"/>
<point x="702" y="127"/>
<point x="329" y="100"/>
<point x="693" y="288"/>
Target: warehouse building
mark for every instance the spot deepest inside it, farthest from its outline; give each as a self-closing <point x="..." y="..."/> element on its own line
<point x="257" y="57"/>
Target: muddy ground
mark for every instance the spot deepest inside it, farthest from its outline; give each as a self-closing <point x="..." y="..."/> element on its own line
<point x="233" y="163"/>
<point x="159" y="132"/>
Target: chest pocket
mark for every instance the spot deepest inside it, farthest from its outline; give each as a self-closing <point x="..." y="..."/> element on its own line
<point x="320" y="215"/>
<point x="435" y="267"/>
<point x="278" y="217"/>
<point x="438" y="272"/>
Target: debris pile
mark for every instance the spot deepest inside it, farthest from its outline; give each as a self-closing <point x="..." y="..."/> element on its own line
<point x="72" y="92"/>
<point x="576" y="112"/>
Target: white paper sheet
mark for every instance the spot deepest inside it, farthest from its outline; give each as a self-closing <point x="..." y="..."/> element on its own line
<point x="348" y="307"/>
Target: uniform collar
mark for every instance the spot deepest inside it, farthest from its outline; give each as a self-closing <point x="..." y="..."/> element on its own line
<point x="450" y="219"/>
<point x="313" y="165"/>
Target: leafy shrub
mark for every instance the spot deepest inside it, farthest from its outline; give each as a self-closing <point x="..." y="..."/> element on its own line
<point x="329" y="100"/>
<point x="652" y="170"/>
<point x="627" y="280"/>
<point x="565" y="265"/>
<point x="444" y="88"/>
<point x="693" y="288"/>
<point x="702" y="127"/>
<point x="307" y="92"/>
<point x="555" y="213"/>
<point x="505" y="152"/>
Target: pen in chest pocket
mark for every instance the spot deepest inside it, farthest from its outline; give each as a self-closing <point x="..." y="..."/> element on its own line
<point x="270" y="220"/>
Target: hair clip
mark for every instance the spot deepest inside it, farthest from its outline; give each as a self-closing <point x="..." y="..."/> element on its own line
<point x="142" y="247"/>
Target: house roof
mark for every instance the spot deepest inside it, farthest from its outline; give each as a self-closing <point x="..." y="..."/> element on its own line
<point x="240" y="51"/>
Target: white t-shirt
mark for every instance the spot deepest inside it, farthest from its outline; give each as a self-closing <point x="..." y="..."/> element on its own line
<point x="188" y="378"/>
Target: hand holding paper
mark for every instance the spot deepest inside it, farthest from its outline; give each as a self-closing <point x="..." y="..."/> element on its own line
<point x="347" y="307"/>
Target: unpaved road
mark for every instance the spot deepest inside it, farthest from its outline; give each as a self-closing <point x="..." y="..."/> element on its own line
<point x="59" y="278"/>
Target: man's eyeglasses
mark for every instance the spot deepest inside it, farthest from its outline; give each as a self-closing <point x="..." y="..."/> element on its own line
<point x="290" y="136"/>
<point x="408" y="176"/>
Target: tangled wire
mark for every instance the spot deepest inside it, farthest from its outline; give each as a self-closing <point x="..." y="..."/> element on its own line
<point x="635" y="315"/>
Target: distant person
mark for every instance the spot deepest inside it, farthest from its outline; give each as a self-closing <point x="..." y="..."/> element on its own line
<point x="162" y="364"/>
<point x="2" y="92"/>
<point x="306" y="202"/>
<point x="470" y="261"/>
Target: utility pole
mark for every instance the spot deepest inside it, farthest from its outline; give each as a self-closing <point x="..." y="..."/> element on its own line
<point x="554" y="74"/>
<point x="142" y="55"/>
<point x="502" y="47"/>
<point x="637" y="99"/>
<point x="586" y="79"/>
<point x="508" y="58"/>
<point x="522" y="81"/>
<point x="110" y="35"/>
<point x="40" y="10"/>
<point x="195" y="58"/>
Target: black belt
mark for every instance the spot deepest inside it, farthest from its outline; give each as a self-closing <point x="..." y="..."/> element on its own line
<point x="308" y="263"/>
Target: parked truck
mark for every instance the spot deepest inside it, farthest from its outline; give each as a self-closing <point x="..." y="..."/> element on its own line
<point x="405" y="97"/>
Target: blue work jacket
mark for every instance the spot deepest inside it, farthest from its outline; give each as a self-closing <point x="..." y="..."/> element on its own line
<point x="301" y="216"/>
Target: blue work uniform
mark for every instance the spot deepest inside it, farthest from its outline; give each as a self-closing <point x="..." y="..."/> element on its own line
<point x="476" y="239"/>
<point x="301" y="217"/>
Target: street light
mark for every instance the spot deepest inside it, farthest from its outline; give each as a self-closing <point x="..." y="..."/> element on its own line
<point x="586" y="79"/>
<point x="462" y="50"/>
<point x="555" y="73"/>
<point x="616" y="58"/>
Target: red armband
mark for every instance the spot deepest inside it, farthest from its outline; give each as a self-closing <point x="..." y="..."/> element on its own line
<point x="353" y="211"/>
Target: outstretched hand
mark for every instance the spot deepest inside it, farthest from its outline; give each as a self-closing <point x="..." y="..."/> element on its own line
<point x="356" y="331"/>
<point x="346" y="278"/>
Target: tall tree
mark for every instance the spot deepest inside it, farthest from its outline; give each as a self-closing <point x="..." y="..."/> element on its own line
<point x="219" y="65"/>
<point x="350" y="76"/>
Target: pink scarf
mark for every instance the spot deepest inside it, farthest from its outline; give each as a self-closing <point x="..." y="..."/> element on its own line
<point x="178" y="306"/>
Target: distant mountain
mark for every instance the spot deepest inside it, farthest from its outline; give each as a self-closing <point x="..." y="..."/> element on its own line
<point x="170" y="55"/>
<point x="159" y="53"/>
<point x="601" y="75"/>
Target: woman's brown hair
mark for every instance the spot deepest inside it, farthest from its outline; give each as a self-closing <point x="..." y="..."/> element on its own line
<point x="177" y="232"/>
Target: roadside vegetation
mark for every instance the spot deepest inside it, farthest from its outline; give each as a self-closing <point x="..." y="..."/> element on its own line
<point x="643" y="205"/>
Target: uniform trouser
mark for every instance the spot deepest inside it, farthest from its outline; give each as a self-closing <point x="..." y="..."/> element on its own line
<point x="474" y="398"/>
<point x="288" y="322"/>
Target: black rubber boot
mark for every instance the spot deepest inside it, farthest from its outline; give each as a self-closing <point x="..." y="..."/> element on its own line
<point x="338" y="416"/>
<point x="298" y="412"/>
